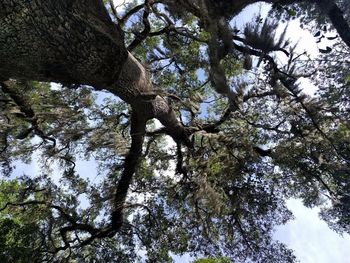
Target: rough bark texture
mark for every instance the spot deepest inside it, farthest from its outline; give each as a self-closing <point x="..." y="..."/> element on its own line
<point x="130" y="164"/>
<point x="74" y="42"/>
<point x="62" y="41"/>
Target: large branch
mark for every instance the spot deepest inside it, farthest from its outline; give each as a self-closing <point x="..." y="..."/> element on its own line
<point x="138" y="130"/>
<point x="335" y="14"/>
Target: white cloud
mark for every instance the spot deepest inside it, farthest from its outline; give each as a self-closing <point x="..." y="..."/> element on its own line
<point x="311" y="238"/>
<point x="308" y="87"/>
<point x="120" y="4"/>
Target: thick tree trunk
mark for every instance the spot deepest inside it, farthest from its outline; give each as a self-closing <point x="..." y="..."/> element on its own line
<point x="63" y="41"/>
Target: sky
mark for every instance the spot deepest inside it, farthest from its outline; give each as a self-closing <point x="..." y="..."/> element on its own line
<point x="309" y="237"/>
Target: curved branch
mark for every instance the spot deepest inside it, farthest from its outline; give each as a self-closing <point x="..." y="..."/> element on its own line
<point x="166" y="115"/>
<point x="28" y="114"/>
<point x="147" y="28"/>
<point x="138" y="129"/>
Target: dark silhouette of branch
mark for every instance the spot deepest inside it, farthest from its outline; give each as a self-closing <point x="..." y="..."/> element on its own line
<point x="213" y="127"/>
<point x="133" y="11"/>
<point x="27" y="113"/>
<point x="335" y="14"/>
<point x="180" y="168"/>
<point x="140" y="37"/>
<point x="137" y="132"/>
<point x="262" y="152"/>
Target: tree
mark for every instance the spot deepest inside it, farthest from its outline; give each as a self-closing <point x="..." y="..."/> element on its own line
<point x="212" y="260"/>
<point x="19" y="234"/>
<point x="245" y="139"/>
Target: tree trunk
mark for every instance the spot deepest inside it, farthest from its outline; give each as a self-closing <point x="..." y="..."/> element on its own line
<point x="62" y="41"/>
<point x="76" y="42"/>
<point x="66" y="41"/>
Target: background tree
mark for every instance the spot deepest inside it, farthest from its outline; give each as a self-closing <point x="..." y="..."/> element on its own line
<point x="246" y="135"/>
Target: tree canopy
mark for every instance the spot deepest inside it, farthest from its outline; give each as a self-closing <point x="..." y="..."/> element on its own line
<point x="239" y="135"/>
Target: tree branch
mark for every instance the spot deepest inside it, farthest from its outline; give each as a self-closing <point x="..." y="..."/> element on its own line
<point x="8" y="87"/>
<point x="147" y="27"/>
<point x="335" y="14"/>
<point x="138" y="129"/>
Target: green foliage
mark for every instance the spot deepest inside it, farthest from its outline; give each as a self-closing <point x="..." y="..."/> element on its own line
<point x="213" y="260"/>
<point x="19" y="230"/>
<point x="18" y="241"/>
<point x="222" y="198"/>
<point x="347" y="79"/>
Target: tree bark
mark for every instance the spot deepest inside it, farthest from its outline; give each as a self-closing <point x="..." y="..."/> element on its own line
<point x="75" y="42"/>
<point x="63" y="41"/>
